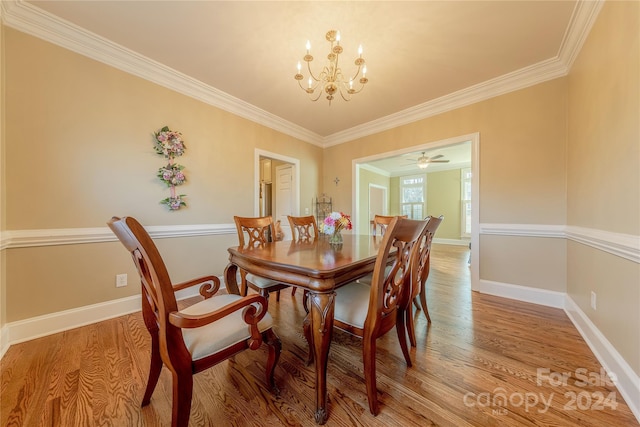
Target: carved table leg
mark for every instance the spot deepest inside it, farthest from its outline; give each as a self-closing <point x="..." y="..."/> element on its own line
<point x="320" y="317"/>
<point x="230" y="280"/>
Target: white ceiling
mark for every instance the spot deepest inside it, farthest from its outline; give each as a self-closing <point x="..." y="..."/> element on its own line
<point x="458" y="154"/>
<point x="422" y="56"/>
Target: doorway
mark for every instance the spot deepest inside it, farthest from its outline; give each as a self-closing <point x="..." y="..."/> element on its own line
<point x="277" y="189"/>
<point x="474" y="141"/>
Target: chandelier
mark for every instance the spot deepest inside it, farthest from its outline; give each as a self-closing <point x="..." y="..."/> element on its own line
<point x="331" y="80"/>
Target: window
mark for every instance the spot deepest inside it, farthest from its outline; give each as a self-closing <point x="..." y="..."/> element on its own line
<point x="465" y="199"/>
<point x="412" y="196"/>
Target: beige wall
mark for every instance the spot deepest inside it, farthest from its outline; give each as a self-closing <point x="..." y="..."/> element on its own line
<point x="522" y="167"/>
<point x="76" y="149"/>
<point x="443" y="198"/>
<point x="603" y="173"/>
<point x="79" y="149"/>
<point x="522" y="152"/>
<point x="3" y="193"/>
<point x="394" y="195"/>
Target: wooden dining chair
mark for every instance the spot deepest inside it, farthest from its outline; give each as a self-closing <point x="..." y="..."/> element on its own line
<point x="370" y="311"/>
<point x="419" y="289"/>
<point x="258" y="231"/>
<point x="381" y="222"/>
<point x="200" y="336"/>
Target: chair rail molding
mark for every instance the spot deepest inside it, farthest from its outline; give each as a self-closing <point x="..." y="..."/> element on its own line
<point x="74" y="236"/>
<point x="619" y="244"/>
<point x="623" y="245"/>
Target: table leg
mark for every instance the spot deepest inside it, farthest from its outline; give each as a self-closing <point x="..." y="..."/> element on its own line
<point x="230" y="280"/>
<point x="321" y="306"/>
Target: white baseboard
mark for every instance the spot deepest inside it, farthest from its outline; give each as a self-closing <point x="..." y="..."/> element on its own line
<point x="628" y="382"/>
<point x="40" y="326"/>
<point x="522" y="293"/>
<point x="4" y="340"/>
<point x="455" y="242"/>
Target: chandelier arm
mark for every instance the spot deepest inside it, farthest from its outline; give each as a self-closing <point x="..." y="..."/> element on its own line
<point x="317" y="97"/>
<point x="301" y="87"/>
<point x="311" y="72"/>
<point x="355" y="76"/>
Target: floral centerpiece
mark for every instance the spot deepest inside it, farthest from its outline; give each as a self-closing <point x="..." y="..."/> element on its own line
<point x="333" y="224"/>
<point x="169" y="144"/>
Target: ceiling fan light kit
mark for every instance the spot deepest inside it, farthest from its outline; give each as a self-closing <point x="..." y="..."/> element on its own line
<point x="331" y="80"/>
<point x="423" y="160"/>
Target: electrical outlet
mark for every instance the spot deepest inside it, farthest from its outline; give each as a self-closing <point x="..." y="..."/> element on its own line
<point x="121" y="280"/>
<point x="306" y="211"/>
<point x="593" y="300"/>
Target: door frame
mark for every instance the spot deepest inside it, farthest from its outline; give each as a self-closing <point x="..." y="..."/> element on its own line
<point x="256" y="178"/>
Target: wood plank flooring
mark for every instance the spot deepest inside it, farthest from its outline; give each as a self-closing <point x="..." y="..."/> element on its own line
<point x="484" y="361"/>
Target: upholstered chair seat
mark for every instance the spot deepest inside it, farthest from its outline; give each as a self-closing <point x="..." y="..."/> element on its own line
<point x="222" y="334"/>
<point x="352" y="304"/>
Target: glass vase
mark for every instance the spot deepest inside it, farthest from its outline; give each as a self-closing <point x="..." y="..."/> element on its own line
<point x="336" y="238"/>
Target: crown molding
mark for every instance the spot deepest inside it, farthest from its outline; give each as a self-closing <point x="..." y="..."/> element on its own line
<point x="39" y="23"/>
<point x="520" y="79"/>
<point x="36" y="22"/>
<point x="582" y="20"/>
<point x="374" y="169"/>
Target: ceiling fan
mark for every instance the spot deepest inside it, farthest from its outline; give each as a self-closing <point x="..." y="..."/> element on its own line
<point x="423" y="161"/>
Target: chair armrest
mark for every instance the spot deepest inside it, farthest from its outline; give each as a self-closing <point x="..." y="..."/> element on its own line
<point x="182" y="320"/>
<point x="206" y="290"/>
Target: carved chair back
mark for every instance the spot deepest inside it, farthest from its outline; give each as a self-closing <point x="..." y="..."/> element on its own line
<point x="258" y="230"/>
<point x="303" y="228"/>
<point x="382" y="222"/>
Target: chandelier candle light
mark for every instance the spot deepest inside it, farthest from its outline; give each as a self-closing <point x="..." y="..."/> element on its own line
<point x="331" y="79"/>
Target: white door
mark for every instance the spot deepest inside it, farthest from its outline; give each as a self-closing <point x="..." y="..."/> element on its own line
<point x="284" y="197"/>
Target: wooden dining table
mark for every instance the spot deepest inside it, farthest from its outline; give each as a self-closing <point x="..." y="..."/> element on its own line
<point x="319" y="268"/>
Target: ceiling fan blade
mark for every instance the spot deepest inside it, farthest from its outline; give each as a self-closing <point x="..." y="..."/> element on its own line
<point x="438" y="161"/>
<point x="436" y="157"/>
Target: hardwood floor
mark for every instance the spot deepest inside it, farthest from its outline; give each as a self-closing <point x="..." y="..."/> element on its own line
<point x="484" y="361"/>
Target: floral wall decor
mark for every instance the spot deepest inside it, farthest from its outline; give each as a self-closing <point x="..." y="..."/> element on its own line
<point x="169" y="144"/>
